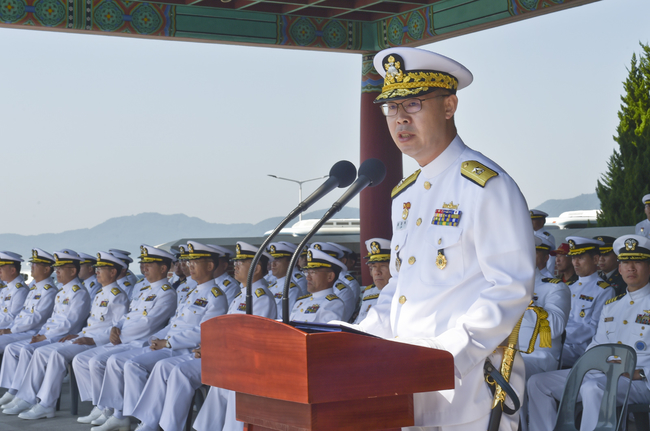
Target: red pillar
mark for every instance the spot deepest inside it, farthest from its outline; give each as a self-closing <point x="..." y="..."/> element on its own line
<point x="376" y="143"/>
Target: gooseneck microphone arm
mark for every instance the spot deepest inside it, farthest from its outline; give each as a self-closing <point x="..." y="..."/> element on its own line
<point x="371" y="173"/>
<point x="341" y="175"/>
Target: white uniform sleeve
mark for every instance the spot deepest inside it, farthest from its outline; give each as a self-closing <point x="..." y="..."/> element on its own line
<point x="42" y="311"/>
<point x="78" y="311"/>
<point x="586" y="335"/>
<point x="158" y="313"/>
<point x="191" y="338"/>
<point x="377" y="321"/>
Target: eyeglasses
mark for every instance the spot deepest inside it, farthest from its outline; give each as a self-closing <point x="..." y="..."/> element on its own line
<point x="314" y="271"/>
<point x="410" y="106"/>
<point x="240" y="262"/>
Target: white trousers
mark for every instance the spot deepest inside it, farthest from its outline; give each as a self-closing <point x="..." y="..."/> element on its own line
<point x="164" y="400"/>
<point x="114" y="385"/>
<point x="46" y="370"/>
<point x="15" y="361"/>
<point x="478" y="425"/>
<point x="218" y="412"/>
<point x="7" y="339"/>
<point x="89" y="368"/>
<point x="544" y="389"/>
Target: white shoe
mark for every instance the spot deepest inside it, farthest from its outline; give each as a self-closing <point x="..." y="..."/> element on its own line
<point x="19" y="406"/>
<point x="38" y="412"/>
<point x="94" y="414"/>
<point x="114" y="424"/>
<point x="100" y="420"/>
<point x="6" y="399"/>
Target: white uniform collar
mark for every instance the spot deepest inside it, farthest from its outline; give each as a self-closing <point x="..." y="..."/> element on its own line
<point x="445" y="159"/>
<point x="15" y="281"/>
<point x="221" y="278"/>
<point x="42" y="283"/>
<point x="641" y="293"/>
<point x="323" y="293"/>
<point x="211" y="283"/>
<point x="158" y="283"/>
<point x="589" y="278"/>
<point x="71" y="283"/>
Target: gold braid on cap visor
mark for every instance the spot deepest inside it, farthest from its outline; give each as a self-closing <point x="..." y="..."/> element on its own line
<point x="38" y="260"/>
<point x="148" y="259"/>
<point x="313" y="264"/>
<point x="633" y="256"/>
<point x="413" y="83"/>
<point x="379" y="257"/>
<point x="577" y="251"/>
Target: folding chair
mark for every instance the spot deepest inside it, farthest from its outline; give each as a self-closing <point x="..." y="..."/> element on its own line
<point x="596" y="359"/>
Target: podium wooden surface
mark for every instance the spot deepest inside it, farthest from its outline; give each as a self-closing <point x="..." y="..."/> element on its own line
<point x="290" y="380"/>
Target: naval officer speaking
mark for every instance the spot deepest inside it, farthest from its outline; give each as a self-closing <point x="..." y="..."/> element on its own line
<point x="462" y="256"/>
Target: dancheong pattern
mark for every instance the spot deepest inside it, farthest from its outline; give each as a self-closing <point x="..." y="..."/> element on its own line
<point x="317" y="32"/>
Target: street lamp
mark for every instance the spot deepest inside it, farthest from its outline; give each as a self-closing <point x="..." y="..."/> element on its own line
<point x="300" y="183"/>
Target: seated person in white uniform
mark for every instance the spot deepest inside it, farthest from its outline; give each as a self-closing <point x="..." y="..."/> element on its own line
<point x="87" y="274"/>
<point x="349" y="259"/>
<point x="343" y="287"/>
<point x="182" y="333"/>
<point x="184" y="260"/>
<point x="542" y="254"/>
<point x="38" y="304"/>
<point x="554" y="298"/>
<point x="622" y="321"/>
<point x="538" y="218"/>
<point x="378" y="264"/>
<point x="588" y="295"/>
<point x="281" y="253"/>
<point x="14" y="289"/>
<point x="224" y="281"/>
<point x="643" y="227"/>
<point x="46" y="370"/>
<point x="71" y="309"/>
<point x="608" y="265"/>
<point x="167" y="396"/>
<point x="126" y="280"/>
<point x="319" y="306"/>
<point x="148" y="313"/>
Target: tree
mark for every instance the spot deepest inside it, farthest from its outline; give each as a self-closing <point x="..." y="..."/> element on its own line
<point x="627" y="178"/>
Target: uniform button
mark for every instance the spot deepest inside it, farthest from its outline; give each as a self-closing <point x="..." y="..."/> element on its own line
<point x="418" y="222"/>
<point x="631" y="302"/>
<point x="301" y="310"/>
<point x="574" y="295"/>
<point x="411" y="260"/>
<point x="48" y="329"/>
<point x="579" y="284"/>
<point x="439" y="241"/>
<point x="128" y="318"/>
<point x="427" y="185"/>
<point x="624" y="322"/>
<point x="90" y="324"/>
<point x="620" y="342"/>
<point x="396" y="247"/>
<point x="174" y="326"/>
<point x="83" y="332"/>
<point x="402" y="299"/>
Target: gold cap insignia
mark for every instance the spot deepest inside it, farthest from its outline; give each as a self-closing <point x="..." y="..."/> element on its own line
<point x="572" y="244"/>
<point x="393" y="70"/>
<point x="190" y="248"/>
<point x="272" y="249"/>
<point x="181" y="249"/>
<point x="238" y="248"/>
<point x="630" y="244"/>
<point x="99" y="255"/>
<point x="34" y="253"/>
<point x="309" y="256"/>
<point x="450" y="206"/>
<point x="375" y="248"/>
<point x="318" y="247"/>
<point x="56" y="257"/>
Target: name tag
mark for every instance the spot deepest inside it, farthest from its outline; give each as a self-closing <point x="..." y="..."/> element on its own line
<point x="609" y="319"/>
<point x="401" y="225"/>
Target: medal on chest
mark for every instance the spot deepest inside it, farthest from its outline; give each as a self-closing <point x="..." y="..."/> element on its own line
<point x="405" y="212"/>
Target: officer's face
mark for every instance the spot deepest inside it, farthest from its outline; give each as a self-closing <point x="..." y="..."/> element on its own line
<point x="279" y="266"/>
<point x="562" y="262"/>
<point x="85" y="270"/>
<point x="607" y="262"/>
<point x="241" y="270"/>
<point x="635" y="273"/>
<point x="423" y="135"/>
<point x="8" y="273"/>
<point x="65" y="274"/>
<point x="647" y="211"/>
<point x="40" y="271"/>
<point x="319" y="279"/>
<point x="106" y="275"/>
<point x="541" y="257"/>
<point x="585" y="264"/>
<point x="538" y="223"/>
<point x="153" y="271"/>
<point x="380" y="273"/>
<point x="201" y="270"/>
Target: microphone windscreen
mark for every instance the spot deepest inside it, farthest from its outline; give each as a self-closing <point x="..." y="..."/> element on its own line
<point x="374" y="170"/>
<point x="345" y="171"/>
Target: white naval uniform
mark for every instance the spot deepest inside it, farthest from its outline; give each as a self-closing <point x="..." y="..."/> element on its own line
<point x="92" y="285"/>
<point x="369" y="299"/>
<point x="277" y="289"/>
<point x="470" y="305"/>
<point x="127" y="286"/>
<point x="186" y="286"/>
<point x="37" y="308"/>
<point x="12" y="297"/>
<point x="46" y="370"/>
<point x="71" y="309"/>
<point x="643" y="228"/>
<point x="182" y="333"/>
<point x="149" y="312"/>
<point x="588" y="295"/>
<point x="228" y="285"/>
<point x="625" y="320"/>
<point x="140" y="284"/>
<point x="168" y="394"/>
<point x="299" y="278"/>
<point x="350" y="300"/>
<point x="319" y="307"/>
<point x="131" y="277"/>
<point x="550" y="264"/>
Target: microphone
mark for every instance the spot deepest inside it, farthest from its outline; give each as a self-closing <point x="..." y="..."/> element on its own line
<point x="371" y="173"/>
<point x="341" y="175"/>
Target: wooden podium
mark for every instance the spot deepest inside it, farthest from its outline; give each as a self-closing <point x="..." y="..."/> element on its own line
<point x="291" y="380"/>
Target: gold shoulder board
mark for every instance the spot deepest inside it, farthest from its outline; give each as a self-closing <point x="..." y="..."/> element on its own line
<point x="33" y="287"/>
<point x="115" y="291"/>
<point x="216" y="292"/>
<point x="332" y="297"/>
<point x="166" y="287"/>
<point x="226" y="282"/>
<point x="609" y="301"/>
<point x="603" y="284"/>
<point x="340" y="286"/>
<point x="476" y="172"/>
<point x="368" y="287"/>
<point x="292" y="285"/>
<point x="404" y="184"/>
<point x="349" y="277"/>
<point x="75" y="288"/>
<point x="303" y="296"/>
<point x="298" y="276"/>
<point x="551" y="280"/>
<point x="259" y="292"/>
<point x="126" y="283"/>
<point x="373" y="296"/>
<point x="145" y="288"/>
<point x="18" y="285"/>
<point x="92" y="283"/>
<point x="47" y="287"/>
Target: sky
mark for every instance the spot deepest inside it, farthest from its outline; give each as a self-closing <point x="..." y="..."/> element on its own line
<point x="96" y="127"/>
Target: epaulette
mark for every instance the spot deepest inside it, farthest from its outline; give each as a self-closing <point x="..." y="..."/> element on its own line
<point x="92" y="283"/>
<point x="332" y="297"/>
<point x="569" y="283"/>
<point x="259" y="292"/>
<point x="99" y="291"/>
<point x="616" y="298"/>
<point x="139" y="280"/>
<point x="603" y="284"/>
<point x="340" y="286"/>
<point x="18" y="285"/>
<point x="33" y="287"/>
<point x="404" y="184"/>
<point x="350" y="277"/>
<point x="304" y="296"/>
<point x="476" y="172"/>
<point x="47" y="287"/>
<point x="216" y="292"/>
<point x="144" y="288"/>
<point x="373" y="296"/>
<point x="299" y="276"/>
<point x="546" y="233"/>
<point x="368" y="287"/>
<point x="166" y="287"/>
<point x="238" y="294"/>
<point x="75" y="288"/>
<point x="126" y="283"/>
<point x="115" y="291"/>
<point x="551" y="280"/>
<point x="292" y="285"/>
<point x="227" y="282"/>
